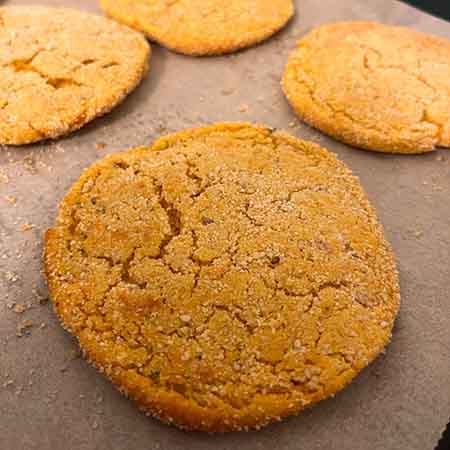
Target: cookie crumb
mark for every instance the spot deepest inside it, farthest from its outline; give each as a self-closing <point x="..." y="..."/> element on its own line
<point x="42" y="300"/>
<point x="11" y="199"/>
<point x="4" y="178"/>
<point x="19" y="309"/>
<point x="243" y="108"/>
<point x="26" y="227"/>
<point x="227" y="91"/>
<point x="11" y="276"/>
<point x="29" y="163"/>
<point x="24" y="328"/>
<point x="8" y="383"/>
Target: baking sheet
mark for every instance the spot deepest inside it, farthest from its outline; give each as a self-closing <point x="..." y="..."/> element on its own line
<point x="52" y="399"/>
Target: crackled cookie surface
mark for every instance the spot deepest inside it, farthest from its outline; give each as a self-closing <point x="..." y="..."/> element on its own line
<point x="60" y="68"/>
<point x="203" y="27"/>
<point x="225" y="277"/>
<point x="373" y="86"/>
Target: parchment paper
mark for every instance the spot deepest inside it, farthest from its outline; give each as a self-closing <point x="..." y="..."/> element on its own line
<point x="52" y="399"/>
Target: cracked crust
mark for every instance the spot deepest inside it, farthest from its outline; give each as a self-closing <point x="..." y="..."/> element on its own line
<point x="60" y="68"/>
<point x="224" y="277"/>
<point x="373" y="86"/>
<point x="203" y="27"/>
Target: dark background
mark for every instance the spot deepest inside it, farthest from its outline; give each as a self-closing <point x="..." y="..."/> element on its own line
<point x="440" y="8"/>
<point x="444" y="443"/>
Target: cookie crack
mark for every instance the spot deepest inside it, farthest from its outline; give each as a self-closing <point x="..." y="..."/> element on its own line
<point x="402" y="69"/>
<point x="425" y="118"/>
<point x="198" y="181"/>
<point x="5" y="105"/>
<point x="312" y="90"/>
<point x="175" y="224"/>
<point x="26" y="66"/>
<point x="126" y="277"/>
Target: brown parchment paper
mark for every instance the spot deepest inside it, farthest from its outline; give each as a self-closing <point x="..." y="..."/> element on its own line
<point x="52" y="399"/>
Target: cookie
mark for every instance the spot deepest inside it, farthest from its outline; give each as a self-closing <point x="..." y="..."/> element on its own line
<point x="373" y="86"/>
<point x="199" y="27"/>
<point x="224" y="277"/>
<point x="60" y="68"/>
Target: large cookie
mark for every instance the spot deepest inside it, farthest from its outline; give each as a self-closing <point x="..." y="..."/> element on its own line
<point x="373" y="86"/>
<point x="203" y="27"/>
<point x="60" y="68"/>
<point x="225" y="277"/>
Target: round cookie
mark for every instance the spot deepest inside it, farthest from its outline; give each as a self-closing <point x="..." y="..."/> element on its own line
<point x="61" y="68"/>
<point x="203" y="27"/>
<point x="373" y="86"/>
<point x="224" y="277"/>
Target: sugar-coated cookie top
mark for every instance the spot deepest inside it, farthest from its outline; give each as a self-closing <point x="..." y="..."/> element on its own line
<point x="373" y="86"/>
<point x="61" y="68"/>
<point x="225" y="277"/>
<point x="203" y="27"/>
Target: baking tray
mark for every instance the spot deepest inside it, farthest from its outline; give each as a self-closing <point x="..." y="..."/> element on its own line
<point x="51" y="399"/>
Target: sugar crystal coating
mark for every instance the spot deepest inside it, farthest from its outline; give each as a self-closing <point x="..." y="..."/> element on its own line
<point x="273" y="303"/>
<point x="60" y="68"/>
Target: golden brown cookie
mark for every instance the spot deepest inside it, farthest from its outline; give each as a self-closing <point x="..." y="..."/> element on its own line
<point x="61" y="68"/>
<point x="224" y="277"/>
<point x="373" y="86"/>
<point x="203" y="27"/>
